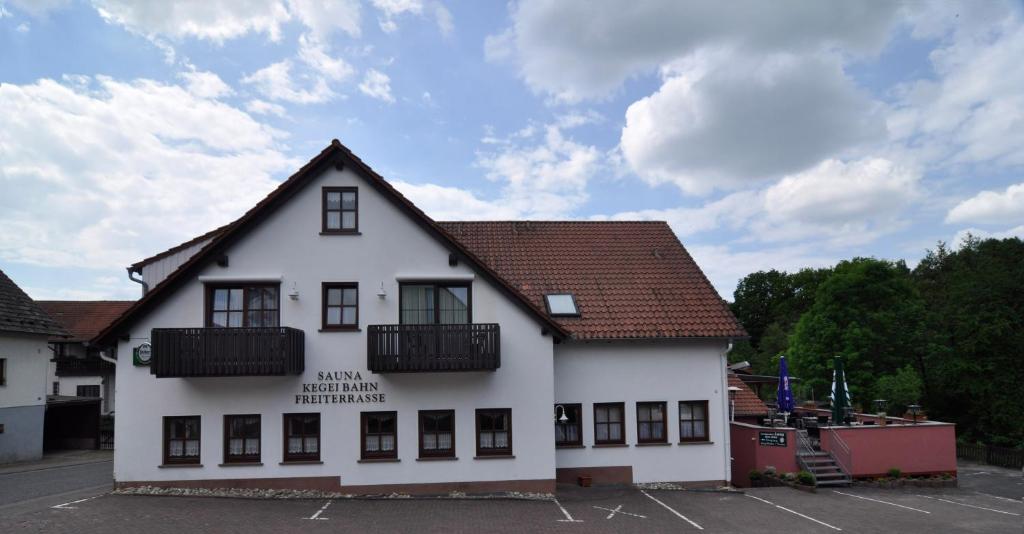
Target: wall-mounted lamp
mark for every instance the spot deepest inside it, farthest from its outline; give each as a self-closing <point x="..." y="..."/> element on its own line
<point x="381" y="293"/>
<point x="560" y="418"/>
<point x="294" y="293"/>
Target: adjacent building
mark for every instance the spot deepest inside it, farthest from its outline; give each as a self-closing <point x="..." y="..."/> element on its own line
<point x="24" y="356"/>
<point x="336" y="337"/>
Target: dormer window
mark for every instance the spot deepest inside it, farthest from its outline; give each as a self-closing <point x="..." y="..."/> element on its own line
<point x="561" y="305"/>
<point x="340" y="210"/>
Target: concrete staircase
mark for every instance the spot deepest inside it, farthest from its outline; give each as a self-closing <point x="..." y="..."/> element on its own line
<point x="824" y="468"/>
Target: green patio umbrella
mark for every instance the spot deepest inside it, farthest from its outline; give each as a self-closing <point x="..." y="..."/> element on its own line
<point x="840" y="394"/>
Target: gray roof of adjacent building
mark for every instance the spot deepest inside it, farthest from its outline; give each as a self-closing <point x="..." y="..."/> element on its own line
<point x="20" y="314"/>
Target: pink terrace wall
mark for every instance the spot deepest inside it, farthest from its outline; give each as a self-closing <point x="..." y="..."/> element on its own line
<point x="748" y="453"/>
<point x="928" y="448"/>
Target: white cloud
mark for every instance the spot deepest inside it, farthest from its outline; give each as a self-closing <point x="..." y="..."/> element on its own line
<point x="323" y="17"/>
<point x="215" y="20"/>
<point x="443" y="17"/>
<point x="275" y="82"/>
<point x="575" y="49"/>
<point x="35" y="8"/>
<point x="542" y="174"/>
<point x="314" y="54"/>
<point x="124" y="163"/>
<point x="725" y="266"/>
<point x="721" y="120"/>
<point x="960" y="236"/>
<point x="205" y="84"/>
<point x="835" y="203"/>
<point x="23" y="28"/>
<point x="991" y="207"/>
<point x="377" y="85"/>
<point x="263" y="107"/>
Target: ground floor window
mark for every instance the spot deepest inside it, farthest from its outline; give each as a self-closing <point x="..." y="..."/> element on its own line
<point x="301" y="437"/>
<point x="693" y="420"/>
<point x="241" y="438"/>
<point x="380" y="435"/>
<point x="88" y="391"/>
<point x="568" y="425"/>
<point x="651" y="422"/>
<point x="494" y="432"/>
<point x="181" y="440"/>
<point x="56" y="388"/>
<point x="437" y="433"/>
<point x="609" y="420"/>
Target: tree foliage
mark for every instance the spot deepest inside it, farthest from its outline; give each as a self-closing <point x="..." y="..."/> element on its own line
<point x="948" y="335"/>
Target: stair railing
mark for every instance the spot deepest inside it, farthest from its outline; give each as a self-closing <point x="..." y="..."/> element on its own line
<point x="841" y="453"/>
<point x="804" y="448"/>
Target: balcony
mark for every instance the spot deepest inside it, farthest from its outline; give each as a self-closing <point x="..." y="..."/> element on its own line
<point x="88" y="366"/>
<point x="419" y="348"/>
<point x="266" y="351"/>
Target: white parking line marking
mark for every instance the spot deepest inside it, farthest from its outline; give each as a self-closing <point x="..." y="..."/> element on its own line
<point x="669" y="508"/>
<point x="970" y="505"/>
<point x="794" y="512"/>
<point x="1018" y="501"/>
<point x="316" y="516"/>
<point x="618" y="510"/>
<point x="568" y="517"/>
<point x="883" y="502"/>
<point x="65" y="506"/>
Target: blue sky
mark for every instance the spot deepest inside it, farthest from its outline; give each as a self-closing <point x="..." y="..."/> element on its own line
<point x="769" y="136"/>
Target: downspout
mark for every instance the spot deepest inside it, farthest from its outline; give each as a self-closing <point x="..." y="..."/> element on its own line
<point x="727" y="434"/>
<point x="131" y="273"/>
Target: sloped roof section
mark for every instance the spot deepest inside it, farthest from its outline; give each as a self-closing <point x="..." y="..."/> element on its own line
<point x="746" y="402"/>
<point x="19" y="313"/>
<point x="208" y="236"/>
<point x="84" y="319"/>
<point x="631" y="280"/>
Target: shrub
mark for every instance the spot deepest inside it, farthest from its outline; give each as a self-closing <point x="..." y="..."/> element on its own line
<point x="769" y="470"/>
<point x="947" y="476"/>
<point x="894" y="472"/>
<point x="790" y="477"/>
<point x="754" y="474"/>
<point x="804" y="478"/>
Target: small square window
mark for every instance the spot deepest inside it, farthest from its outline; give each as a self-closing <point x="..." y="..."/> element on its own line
<point x="562" y="304"/>
<point x="340" y="306"/>
<point x="494" y="432"/>
<point x="340" y="210"/>
<point x="301" y="437"/>
<point x="379" y="435"/>
<point x="437" y="433"/>
<point x="568" y="425"/>
<point x="242" y="438"/>
<point x="181" y="440"/>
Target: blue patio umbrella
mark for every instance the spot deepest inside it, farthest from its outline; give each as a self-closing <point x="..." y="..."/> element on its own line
<point x="784" y="394"/>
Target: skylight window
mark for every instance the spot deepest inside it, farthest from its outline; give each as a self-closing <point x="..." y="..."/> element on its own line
<point x="562" y="304"/>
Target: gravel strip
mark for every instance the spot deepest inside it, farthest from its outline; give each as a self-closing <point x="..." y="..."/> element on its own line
<point x="313" y="494"/>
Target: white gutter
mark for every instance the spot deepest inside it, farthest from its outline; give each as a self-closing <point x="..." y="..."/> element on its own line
<point x="727" y="431"/>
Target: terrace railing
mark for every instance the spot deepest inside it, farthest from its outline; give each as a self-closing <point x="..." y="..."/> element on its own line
<point x="195" y="352"/>
<point x="411" y="348"/>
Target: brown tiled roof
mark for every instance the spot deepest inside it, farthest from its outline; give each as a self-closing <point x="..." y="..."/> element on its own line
<point x="19" y="313"/>
<point x="631" y="280"/>
<point x="84" y="318"/>
<point x="746" y="401"/>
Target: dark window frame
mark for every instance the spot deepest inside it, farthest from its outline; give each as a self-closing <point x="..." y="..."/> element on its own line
<point x="82" y="390"/>
<point x="468" y="284"/>
<point x="363" y="433"/>
<point x="436" y="453"/>
<point x="324" y="287"/>
<point x="664" y="421"/>
<point x="494" y="451"/>
<point x="243" y="458"/>
<point x="575" y="305"/>
<point x="707" y="419"/>
<point x="56" y="387"/>
<point x="181" y="460"/>
<point x="341" y="211"/>
<point x="300" y="457"/>
<point x="245" y="287"/>
<point x="3" y="371"/>
<point x="622" y="432"/>
<point x="578" y="408"/>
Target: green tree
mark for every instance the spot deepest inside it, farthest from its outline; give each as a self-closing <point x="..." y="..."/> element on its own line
<point x="901" y="390"/>
<point x="868" y="312"/>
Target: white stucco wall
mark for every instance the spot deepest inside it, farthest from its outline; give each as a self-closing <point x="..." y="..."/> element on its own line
<point x="28" y="359"/>
<point x="288" y="246"/>
<point x="669" y="371"/>
<point x="154" y="272"/>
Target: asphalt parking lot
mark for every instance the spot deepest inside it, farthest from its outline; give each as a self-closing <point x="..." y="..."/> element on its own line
<point x="576" y="510"/>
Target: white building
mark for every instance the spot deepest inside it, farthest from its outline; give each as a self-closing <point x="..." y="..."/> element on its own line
<point x="335" y="337"/>
<point x="24" y="357"/>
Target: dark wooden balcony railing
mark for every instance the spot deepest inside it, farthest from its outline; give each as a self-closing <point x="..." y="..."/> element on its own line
<point x="266" y="351"/>
<point x="90" y="365"/>
<point x="410" y="348"/>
